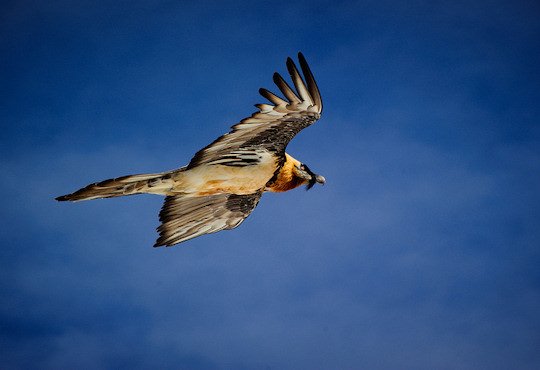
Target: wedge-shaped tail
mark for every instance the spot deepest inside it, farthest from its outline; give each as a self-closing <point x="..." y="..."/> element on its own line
<point x="155" y="183"/>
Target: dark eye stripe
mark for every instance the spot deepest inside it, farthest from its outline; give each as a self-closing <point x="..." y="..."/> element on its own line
<point x="306" y="168"/>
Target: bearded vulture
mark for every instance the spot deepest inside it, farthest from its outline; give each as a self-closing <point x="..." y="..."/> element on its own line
<point x="224" y="181"/>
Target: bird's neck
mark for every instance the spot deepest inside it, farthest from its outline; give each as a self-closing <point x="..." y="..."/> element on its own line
<point x="286" y="178"/>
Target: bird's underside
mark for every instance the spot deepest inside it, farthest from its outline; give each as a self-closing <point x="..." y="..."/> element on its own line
<point x="224" y="181"/>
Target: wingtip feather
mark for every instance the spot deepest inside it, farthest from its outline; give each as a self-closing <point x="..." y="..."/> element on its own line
<point x="299" y="83"/>
<point x="310" y="80"/>
<point x="285" y="88"/>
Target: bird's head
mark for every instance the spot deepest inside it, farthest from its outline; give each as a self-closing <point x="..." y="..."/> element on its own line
<point x="309" y="177"/>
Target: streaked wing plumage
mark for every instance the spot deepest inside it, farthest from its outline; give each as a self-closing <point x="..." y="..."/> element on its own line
<point x="185" y="218"/>
<point x="273" y="126"/>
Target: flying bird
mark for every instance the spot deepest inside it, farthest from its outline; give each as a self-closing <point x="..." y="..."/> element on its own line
<point x="224" y="181"/>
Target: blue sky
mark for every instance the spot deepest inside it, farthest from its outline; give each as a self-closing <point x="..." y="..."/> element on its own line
<point x="421" y="252"/>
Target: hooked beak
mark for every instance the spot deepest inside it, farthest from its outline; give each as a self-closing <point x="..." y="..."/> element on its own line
<point x="320" y="179"/>
<point x="315" y="179"/>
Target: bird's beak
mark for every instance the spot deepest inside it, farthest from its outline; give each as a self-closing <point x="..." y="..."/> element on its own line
<point x="320" y="179"/>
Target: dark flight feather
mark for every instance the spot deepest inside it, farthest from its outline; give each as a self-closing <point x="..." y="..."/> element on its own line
<point x="269" y="129"/>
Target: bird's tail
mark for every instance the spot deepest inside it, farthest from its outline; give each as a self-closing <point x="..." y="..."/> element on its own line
<point x="156" y="183"/>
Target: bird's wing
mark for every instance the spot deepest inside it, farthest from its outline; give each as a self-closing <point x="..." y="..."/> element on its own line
<point x="185" y="218"/>
<point x="273" y="126"/>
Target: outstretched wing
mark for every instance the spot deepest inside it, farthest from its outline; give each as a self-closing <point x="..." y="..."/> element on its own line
<point x="273" y="126"/>
<point x="185" y="218"/>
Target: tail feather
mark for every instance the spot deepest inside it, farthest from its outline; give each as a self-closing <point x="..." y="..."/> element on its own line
<point x="158" y="183"/>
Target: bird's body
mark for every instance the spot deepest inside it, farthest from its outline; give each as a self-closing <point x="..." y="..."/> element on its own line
<point x="224" y="181"/>
<point x="209" y="179"/>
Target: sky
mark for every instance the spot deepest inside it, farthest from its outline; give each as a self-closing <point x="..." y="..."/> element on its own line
<point x="422" y="251"/>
